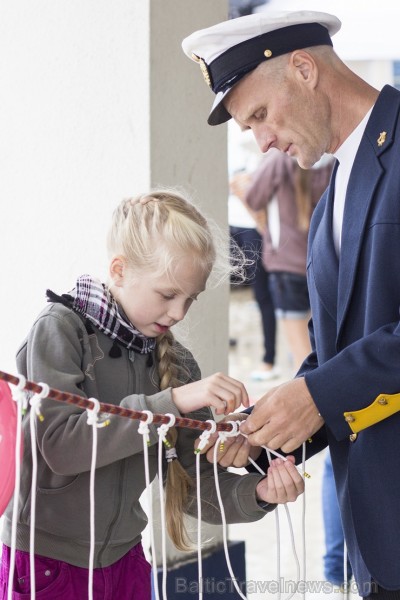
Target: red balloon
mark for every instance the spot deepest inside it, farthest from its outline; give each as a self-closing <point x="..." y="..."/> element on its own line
<point x="8" y="431"/>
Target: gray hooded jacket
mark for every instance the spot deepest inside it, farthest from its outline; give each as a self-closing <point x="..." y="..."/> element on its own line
<point x="60" y="352"/>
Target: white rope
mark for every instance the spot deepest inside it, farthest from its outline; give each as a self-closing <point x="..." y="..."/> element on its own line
<point x="162" y="432"/>
<point x="223" y="435"/>
<point x="203" y="441"/>
<point x="35" y="403"/>
<point x="221" y="439"/>
<point x="20" y="398"/>
<point x="345" y="573"/>
<point x="93" y="421"/>
<point x="296" y="558"/>
<point x="278" y="537"/>
<point x="304" y="475"/>
<point x="144" y="431"/>
<point x="303" y="523"/>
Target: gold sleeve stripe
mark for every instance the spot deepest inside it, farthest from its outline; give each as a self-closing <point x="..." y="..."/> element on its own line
<point x="384" y="406"/>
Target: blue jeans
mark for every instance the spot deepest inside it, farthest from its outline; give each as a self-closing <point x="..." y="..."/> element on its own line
<point x="334" y="540"/>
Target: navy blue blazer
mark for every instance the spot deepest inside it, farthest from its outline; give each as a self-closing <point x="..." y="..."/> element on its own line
<point x="355" y="334"/>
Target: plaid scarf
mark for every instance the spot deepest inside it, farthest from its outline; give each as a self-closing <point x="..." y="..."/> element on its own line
<point x="92" y="299"/>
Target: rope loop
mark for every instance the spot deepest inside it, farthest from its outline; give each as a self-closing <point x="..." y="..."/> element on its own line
<point x="205" y="436"/>
<point x="172" y="419"/>
<point x="93" y="413"/>
<point x="235" y="429"/>
<point x="20" y="386"/>
<point x="143" y="428"/>
<point x="149" y="419"/>
<point x="19" y="393"/>
<point x="36" y="400"/>
<point x="44" y="392"/>
<point x="165" y="427"/>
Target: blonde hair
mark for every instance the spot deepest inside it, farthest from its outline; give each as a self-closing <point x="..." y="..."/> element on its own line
<point x="303" y="194"/>
<point x="178" y="482"/>
<point x="152" y="232"/>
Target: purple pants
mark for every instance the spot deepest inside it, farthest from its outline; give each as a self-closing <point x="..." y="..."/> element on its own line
<point x="127" y="579"/>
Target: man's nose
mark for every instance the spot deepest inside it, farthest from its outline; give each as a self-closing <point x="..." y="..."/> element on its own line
<point x="262" y="138"/>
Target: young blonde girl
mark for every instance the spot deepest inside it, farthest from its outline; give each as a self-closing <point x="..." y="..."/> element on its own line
<point x="114" y="342"/>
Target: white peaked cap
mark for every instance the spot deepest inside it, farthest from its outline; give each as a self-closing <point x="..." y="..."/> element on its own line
<point x="229" y="50"/>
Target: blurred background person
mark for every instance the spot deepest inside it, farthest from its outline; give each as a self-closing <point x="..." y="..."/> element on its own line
<point x="293" y="192"/>
<point x="246" y="228"/>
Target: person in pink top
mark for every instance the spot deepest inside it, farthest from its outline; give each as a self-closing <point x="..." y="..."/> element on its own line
<point x="289" y="193"/>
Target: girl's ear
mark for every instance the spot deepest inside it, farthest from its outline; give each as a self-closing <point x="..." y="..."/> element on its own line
<point x="117" y="270"/>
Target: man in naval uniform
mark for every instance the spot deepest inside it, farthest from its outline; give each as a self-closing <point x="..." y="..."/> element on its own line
<point x="278" y="75"/>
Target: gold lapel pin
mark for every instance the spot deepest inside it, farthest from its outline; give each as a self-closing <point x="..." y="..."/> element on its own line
<point x="382" y="138"/>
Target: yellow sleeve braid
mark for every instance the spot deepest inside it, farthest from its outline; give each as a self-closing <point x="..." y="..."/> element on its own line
<point x="384" y="406"/>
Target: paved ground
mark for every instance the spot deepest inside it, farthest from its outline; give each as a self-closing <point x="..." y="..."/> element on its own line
<point x="261" y="537"/>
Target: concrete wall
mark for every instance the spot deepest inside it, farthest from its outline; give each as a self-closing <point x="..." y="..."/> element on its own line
<point x="98" y="102"/>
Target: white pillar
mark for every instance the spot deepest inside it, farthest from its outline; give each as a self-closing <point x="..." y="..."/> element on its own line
<point x="185" y="150"/>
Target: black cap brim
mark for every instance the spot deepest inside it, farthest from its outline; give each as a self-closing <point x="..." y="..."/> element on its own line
<point x="219" y="114"/>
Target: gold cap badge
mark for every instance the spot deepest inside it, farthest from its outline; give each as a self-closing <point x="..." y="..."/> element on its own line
<point x="204" y="70"/>
<point x="267" y="53"/>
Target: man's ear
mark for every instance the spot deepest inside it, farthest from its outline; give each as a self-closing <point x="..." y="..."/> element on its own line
<point x="117" y="270"/>
<point x="304" y="67"/>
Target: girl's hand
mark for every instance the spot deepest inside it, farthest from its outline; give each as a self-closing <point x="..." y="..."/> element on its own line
<point x="282" y="484"/>
<point x="220" y="391"/>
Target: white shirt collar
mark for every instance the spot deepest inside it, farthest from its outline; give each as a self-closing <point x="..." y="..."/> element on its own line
<point x="345" y="154"/>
